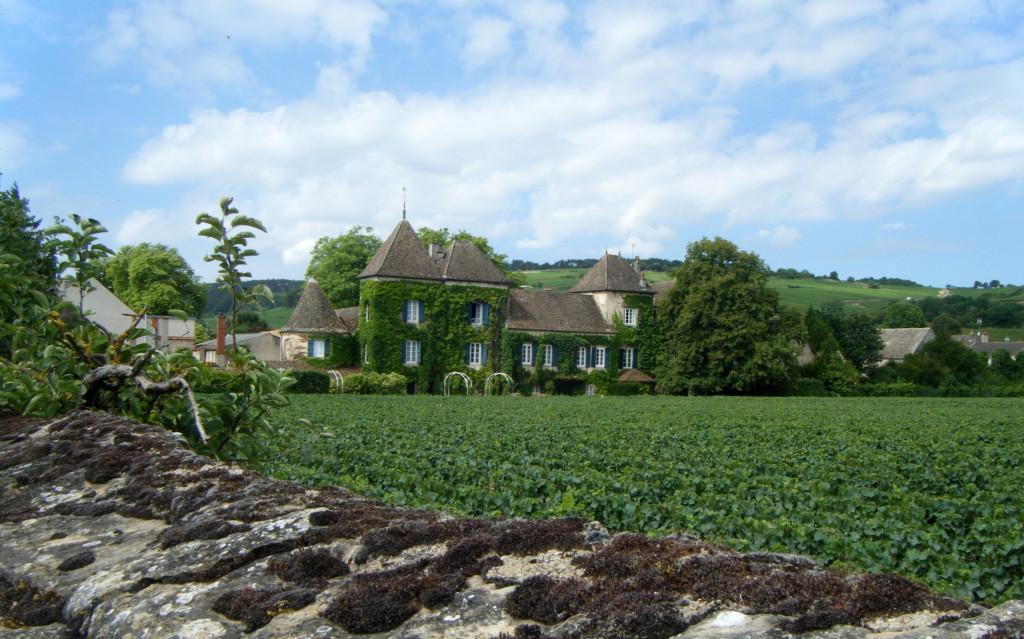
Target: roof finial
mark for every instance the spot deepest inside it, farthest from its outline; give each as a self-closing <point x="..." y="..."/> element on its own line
<point x="403" y="202"/>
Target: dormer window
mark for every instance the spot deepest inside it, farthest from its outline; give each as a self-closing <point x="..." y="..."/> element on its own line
<point x="629" y="316"/>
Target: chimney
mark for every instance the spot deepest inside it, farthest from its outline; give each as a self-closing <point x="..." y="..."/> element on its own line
<point x="222" y="328"/>
<point x="434" y="250"/>
<point x="636" y="265"/>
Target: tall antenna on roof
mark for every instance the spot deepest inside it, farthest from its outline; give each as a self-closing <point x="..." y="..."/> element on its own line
<point x="403" y="202"/>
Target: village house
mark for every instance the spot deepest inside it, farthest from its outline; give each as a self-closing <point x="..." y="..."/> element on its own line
<point x="426" y="312"/>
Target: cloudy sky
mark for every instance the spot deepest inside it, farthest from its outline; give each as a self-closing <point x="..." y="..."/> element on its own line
<point x="870" y="137"/>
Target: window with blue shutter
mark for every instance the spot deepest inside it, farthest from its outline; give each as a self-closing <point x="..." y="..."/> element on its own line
<point x="478" y="313"/>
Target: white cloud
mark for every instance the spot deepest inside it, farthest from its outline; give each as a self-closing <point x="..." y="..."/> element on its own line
<point x="9" y="90"/>
<point x="781" y="236"/>
<point x="896" y="226"/>
<point x="608" y="122"/>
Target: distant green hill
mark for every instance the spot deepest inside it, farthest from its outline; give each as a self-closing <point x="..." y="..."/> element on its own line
<point x="796" y="292"/>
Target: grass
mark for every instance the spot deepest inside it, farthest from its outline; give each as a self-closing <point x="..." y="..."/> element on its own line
<point x="278" y="317"/>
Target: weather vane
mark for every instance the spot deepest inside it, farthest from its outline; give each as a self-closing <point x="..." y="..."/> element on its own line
<point x="403" y="202"/>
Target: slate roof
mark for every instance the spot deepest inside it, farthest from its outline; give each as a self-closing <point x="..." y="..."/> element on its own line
<point x="349" y="317"/>
<point x="313" y="313"/>
<point x="611" y="273"/>
<point x="633" y="375"/>
<point x="401" y="255"/>
<point x="1014" y="348"/>
<point x="464" y="262"/>
<point x="552" y="312"/>
<point x="900" y="342"/>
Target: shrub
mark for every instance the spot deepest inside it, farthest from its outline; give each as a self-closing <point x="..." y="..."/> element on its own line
<point x="310" y="382"/>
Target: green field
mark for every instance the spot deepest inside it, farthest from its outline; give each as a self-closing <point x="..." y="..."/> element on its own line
<point x="562" y="279"/>
<point x="929" y="488"/>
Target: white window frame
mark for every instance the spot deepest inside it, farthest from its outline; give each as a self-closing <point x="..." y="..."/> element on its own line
<point x="412" y="311"/>
<point x="549" y="355"/>
<point x="591" y="390"/>
<point x="628" y="357"/>
<point x="527" y="358"/>
<point x="366" y="315"/>
<point x="581" y="356"/>
<point x="411" y="352"/>
<point x="478" y="314"/>
<point x="629" y="316"/>
<point x="600" y="356"/>
<point x="476" y="353"/>
<point x="317" y="348"/>
<point x="366" y="353"/>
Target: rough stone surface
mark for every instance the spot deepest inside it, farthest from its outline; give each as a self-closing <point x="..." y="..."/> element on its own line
<point x="110" y="528"/>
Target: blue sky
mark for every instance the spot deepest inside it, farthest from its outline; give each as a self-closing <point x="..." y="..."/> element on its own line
<point x="869" y="137"/>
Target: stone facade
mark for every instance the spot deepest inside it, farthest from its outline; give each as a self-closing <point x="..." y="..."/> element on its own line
<point x="110" y="528"/>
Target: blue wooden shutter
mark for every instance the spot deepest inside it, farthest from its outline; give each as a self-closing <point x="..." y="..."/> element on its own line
<point x="423" y="315"/>
<point x="622" y="358"/>
<point x="419" y="352"/>
<point x="469" y="313"/>
<point x="590" y="357"/>
<point x="405" y="310"/>
<point x="309" y="348"/>
<point x="487" y="313"/>
<point x="554" y="355"/>
<point x="467" y="354"/>
<point x="327" y="348"/>
<point x="483" y="352"/>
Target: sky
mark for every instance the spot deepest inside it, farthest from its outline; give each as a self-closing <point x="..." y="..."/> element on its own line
<point x="868" y="137"/>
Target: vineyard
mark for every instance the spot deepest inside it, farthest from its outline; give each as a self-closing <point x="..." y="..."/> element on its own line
<point x="926" y="488"/>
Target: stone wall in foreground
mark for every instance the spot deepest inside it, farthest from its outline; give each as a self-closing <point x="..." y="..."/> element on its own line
<point x="110" y="528"/>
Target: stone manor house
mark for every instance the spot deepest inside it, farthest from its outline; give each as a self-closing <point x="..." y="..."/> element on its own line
<point x="426" y="312"/>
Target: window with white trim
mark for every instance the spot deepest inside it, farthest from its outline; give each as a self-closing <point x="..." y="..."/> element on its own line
<point x="600" y="356"/>
<point x="411" y="311"/>
<point x="478" y="313"/>
<point x="628" y="355"/>
<point x="412" y="352"/>
<point x="527" y="359"/>
<point x="629" y="316"/>
<point x="591" y="390"/>
<point x="549" y="355"/>
<point x="366" y="315"/>
<point x="317" y="348"/>
<point x="366" y="353"/>
<point x="476" y="354"/>
<point x="581" y="356"/>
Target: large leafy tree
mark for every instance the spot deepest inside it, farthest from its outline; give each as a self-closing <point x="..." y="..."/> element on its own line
<point x="725" y="331"/>
<point x="903" y="315"/>
<point x="443" y="236"/>
<point x="155" y="278"/>
<point x="857" y="334"/>
<point x="336" y="261"/>
<point x="32" y="264"/>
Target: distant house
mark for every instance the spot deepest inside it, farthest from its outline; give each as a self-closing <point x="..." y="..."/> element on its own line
<point x="264" y="346"/>
<point x="978" y="342"/>
<point x="900" y="342"/>
<point x="107" y="310"/>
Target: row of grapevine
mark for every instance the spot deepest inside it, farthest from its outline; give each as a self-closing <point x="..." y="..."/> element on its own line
<point x="926" y="488"/>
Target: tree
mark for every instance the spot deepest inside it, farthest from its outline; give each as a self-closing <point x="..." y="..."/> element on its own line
<point x="941" y="360"/>
<point x="724" y="329"/>
<point x="155" y="278"/>
<point x="336" y="261"/>
<point x="230" y="255"/>
<point x="903" y="315"/>
<point x="837" y="374"/>
<point x="33" y="259"/>
<point x="858" y="337"/>
<point x="833" y="276"/>
<point x="945" y="323"/>
<point x="442" y="236"/>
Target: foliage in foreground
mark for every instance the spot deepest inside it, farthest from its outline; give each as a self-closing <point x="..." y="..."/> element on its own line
<point x="61" y="361"/>
<point x="926" y="488"/>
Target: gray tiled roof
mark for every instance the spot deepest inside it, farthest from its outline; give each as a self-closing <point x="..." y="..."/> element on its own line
<point x="551" y="312"/>
<point x="313" y="313"/>
<point x="611" y="273"/>
<point x="349" y="317"/>
<point x="401" y="255"/>
<point x="464" y="262"/>
<point x="660" y="288"/>
<point x="900" y="342"/>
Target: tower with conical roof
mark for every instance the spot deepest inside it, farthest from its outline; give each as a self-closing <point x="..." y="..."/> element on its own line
<point x="609" y="282"/>
<point x="307" y="332"/>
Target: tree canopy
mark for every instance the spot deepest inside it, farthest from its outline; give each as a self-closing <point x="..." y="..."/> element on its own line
<point x="336" y="261"/>
<point x="443" y="236"/>
<point x="903" y="315"/>
<point x="156" y="279"/>
<point x="724" y="329"/>
<point x="857" y="334"/>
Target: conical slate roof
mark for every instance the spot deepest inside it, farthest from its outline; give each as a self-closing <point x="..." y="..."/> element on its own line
<point x="313" y="313"/>
<point x="611" y="273"/>
<point x="401" y="255"/>
<point x="464" y="262"/>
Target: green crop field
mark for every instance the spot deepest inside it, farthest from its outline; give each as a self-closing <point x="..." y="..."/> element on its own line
<point x="929" y="488"/>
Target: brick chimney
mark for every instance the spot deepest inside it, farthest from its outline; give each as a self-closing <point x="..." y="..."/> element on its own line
<point x="222" y="328"/>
